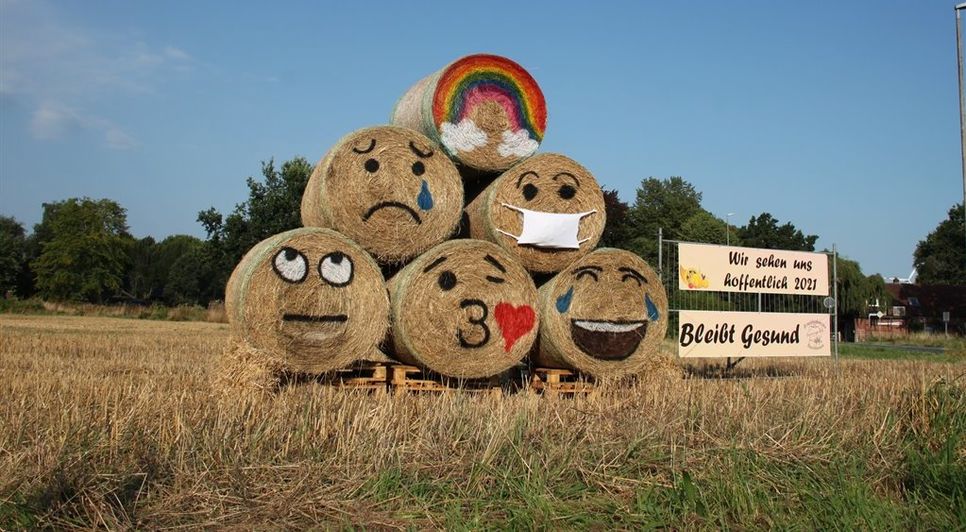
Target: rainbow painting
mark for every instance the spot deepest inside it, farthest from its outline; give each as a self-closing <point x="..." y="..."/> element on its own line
<point x="478" y="79"/>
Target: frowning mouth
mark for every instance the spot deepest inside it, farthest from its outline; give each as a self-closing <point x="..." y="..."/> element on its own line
<point x="392" y="204"/>
<point x="608" y="339"/>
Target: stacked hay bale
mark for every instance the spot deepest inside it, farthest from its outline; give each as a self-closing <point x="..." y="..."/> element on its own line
<point x="461" y="147"/>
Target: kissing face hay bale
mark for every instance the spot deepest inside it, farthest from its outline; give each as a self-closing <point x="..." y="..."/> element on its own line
<point x="310" y="300"/>
<point x="604" y="315"/>
<point x="387" y="188"/>
<point x="463" y="309"/>
<point x="547" y="211"/>
<point x="485" y="110"/>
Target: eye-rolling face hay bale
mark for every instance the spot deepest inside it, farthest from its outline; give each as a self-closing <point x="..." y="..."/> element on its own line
<point x="547" y="211"/>
<point x="311" y="299"/>
<point x="463" y="309"/>
<point x="604" y="315"/>
<point x="388" y="188"/>
<point x="485" y="110"/>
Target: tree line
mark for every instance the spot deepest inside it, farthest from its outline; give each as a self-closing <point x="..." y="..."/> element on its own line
<point x="82" y="249"/>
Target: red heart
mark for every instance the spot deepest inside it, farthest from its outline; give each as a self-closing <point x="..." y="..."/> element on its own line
<point x="514" y="322"/>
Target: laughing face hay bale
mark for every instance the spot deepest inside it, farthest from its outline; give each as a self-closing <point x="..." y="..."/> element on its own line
<point x="546" y="211"/>
<point x="308" y="300"/>
<point x="463" y="309"/>
<point x="485" y="110"/>
<point x="387" y="188"/>
<point x="604" y="315"/>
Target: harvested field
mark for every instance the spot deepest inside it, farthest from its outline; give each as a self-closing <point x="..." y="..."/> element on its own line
<point x="110" y="422"/>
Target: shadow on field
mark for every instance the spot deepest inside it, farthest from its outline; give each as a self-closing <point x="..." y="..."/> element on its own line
<point x="724" y="372"/>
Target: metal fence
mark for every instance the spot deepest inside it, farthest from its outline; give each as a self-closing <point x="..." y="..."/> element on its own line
<point x="741" y="302"/>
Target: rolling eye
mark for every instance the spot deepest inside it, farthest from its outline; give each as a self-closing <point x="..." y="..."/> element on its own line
<point x="372" y="165"/>
<point x="530" y="191"/>
<point x="419" y="168"/>
<point x="586" y="273"/>
<point x="290" y="265"/>
<point x="447" y="280"/>
<point x="336" y="269"/>
<point x="567" y="192"/>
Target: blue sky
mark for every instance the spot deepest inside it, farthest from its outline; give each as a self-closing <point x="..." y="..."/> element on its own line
<point x="841" y="117"/>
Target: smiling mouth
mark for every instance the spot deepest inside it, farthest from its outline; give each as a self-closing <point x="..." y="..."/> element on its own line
<point x="312" y="329"/>
<point x="607" y="339"/>
<point x="392" y="204"/>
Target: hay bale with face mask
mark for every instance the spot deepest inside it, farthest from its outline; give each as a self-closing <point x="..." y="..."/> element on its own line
<point x="485" y="110"/>
<point x="605" y="315"/>
<point x="307" y="300"/>
<point x="464" y="309"/>
<point x="387" y="188"/>
<point x="547" y="211"/>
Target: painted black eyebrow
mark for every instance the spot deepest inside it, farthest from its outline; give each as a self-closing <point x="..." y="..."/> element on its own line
<point x="588" y="267"/>
<point x="424" y="155"/>
<point x="524" y="174"/>
<point x="567" y="174"/>
<point x="372" y="146"/>
<point x="632" y="272"/>
<point x="434" y="264"/>
<point x="496" y="264"/>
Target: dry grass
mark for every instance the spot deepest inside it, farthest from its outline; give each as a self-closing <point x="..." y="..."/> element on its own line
<point x="109" y="422"/>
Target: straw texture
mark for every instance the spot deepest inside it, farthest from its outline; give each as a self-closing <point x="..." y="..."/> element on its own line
<point x="463" y="309"/>
<point x="485" y="110"/>
<point x="307" y="300"/>
<point x="605" y="315"/>
<point x="388" y="188"/>
<point x="547" y="182"/>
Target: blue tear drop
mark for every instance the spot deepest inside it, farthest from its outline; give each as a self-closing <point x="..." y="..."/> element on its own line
<point x="563" y="302"/>
<point x="652" y="313"/>
<point x="425" y="198"/>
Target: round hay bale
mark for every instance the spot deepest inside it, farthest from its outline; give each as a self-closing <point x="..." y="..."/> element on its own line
<point x="463" y="309"/>
<point x="485" y="110"/>
<point x="388" y="188"/>
<point x="604" y="315"/>
<point x="309" y="299"/>
<point x="547" y="211"/>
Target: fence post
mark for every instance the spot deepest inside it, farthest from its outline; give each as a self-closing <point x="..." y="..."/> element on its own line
<point x="660" y="253"/>
<point x="835" y="298"/>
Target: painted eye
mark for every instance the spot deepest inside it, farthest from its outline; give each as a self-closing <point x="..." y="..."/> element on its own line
<point x="336" y="269"/>
<point x="588" y="273"/>
<point x="632" y="277"/>
<point x="290" y="265"/>
<point x="419" y="168"/>
<point x="567" y="192"/>
<point x="372" y="166"/>
<point x="530" y="191"/>
<point x="447" y="280"/>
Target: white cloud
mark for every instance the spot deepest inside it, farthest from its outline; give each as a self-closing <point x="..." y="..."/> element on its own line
<point x="462" y="137"/>
<point x="70" y="75"/>
<point x="519" y="144"/>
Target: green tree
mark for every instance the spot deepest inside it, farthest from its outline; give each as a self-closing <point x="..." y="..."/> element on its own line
<point x="855" y="291"/>
<point x="84" y="249"/>
<point x="763" y="231"/>
<point x="616" y="232"/>
<point x="660" y="203"/>
<point x="273" y="206"/>
<point x="707" y="228"/>
<point x="13" y="255"/>
<point x="941" y="257"/>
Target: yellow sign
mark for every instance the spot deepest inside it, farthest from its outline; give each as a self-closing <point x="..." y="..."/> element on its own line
<point x="704" y="333"/>
<point x="737" y="269"/>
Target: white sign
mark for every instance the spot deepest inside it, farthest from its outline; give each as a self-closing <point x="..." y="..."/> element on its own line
<point x="946" y="316"/>
<point x="703" y="333"/>
<point x="737" y="269"/>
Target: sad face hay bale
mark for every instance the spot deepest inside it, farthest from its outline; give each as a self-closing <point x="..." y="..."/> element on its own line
<point x="604" y="315"/>
<point x="463" y="309"/>
<point x="308" y="300"/>
<point x="388" y="188"/>
<point x="547" y="211"/>
<point x="485" y="110"/>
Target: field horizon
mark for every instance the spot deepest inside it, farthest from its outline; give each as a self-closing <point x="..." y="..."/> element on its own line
<point x="112" y="423"/>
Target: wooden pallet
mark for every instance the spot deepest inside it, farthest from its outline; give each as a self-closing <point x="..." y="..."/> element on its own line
<point x="563" y="381"/>
<point x="361" y="376"/>
<point x="404" y="378"/>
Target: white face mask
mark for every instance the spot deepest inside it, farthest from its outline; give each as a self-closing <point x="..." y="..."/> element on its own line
<point x="549" y="229"/>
